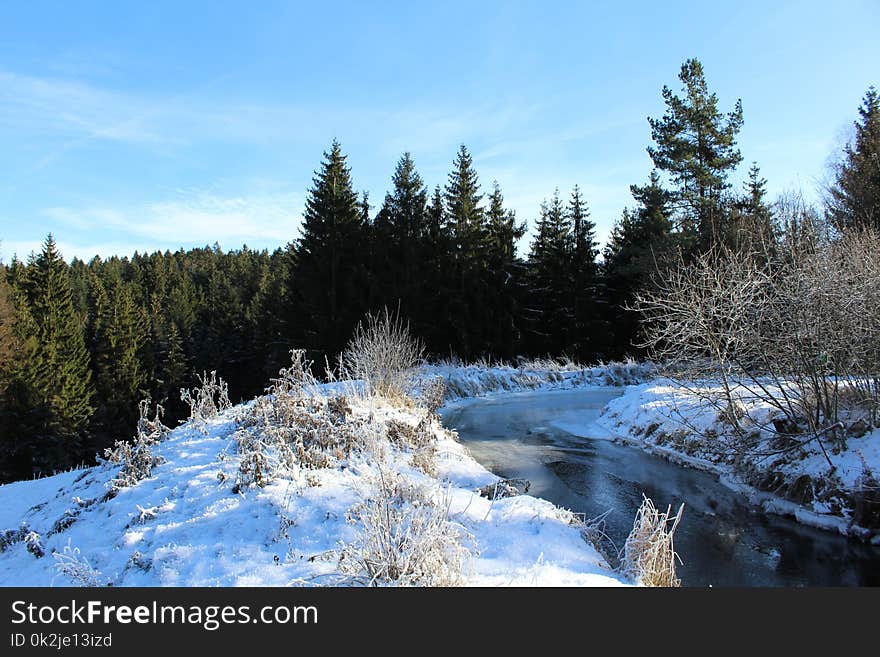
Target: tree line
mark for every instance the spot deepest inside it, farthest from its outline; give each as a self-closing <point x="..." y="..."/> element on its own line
<point x="82" y="343"/>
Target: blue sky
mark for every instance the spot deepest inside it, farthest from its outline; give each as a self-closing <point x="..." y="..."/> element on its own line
<point x="142" y="126"/>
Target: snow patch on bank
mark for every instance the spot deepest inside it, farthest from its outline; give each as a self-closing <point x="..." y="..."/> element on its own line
<point x="667" y="420"/>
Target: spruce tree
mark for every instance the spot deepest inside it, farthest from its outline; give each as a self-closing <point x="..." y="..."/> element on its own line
<point x="506" y="276"/>
<point x="438" y="276"/>
<point x="753" y="217"/>
<point x="121" y="331"/>
<point x="588" y="328"/>
<point x="640" y="243"/>
<point x="550" y="313"/>
<point x="61" y="365"/>
<point x="328" y="278"/>
<point x="854" y="198"/>
<point x="695" y="143"/>
<point x="469" y="271"/>
<point x="401" y="230"/>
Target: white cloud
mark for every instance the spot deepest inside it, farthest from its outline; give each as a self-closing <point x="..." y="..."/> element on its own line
<point x="192" y="218"/>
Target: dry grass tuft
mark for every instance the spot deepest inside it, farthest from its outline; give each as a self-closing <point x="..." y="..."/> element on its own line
<point x="649" y="555"/>
<point x="405" y="538"/>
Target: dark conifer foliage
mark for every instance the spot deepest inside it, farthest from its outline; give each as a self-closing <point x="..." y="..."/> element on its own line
<point x="328" y="283"/>
<point x="550" y="318"/>
<point x="639" y="245"/>
<point x="506" y="278"/>
<point x="695" y="143"/>
<point x="752" y="227"/>
<point x="56" y="378"/>
<point x="589" y="329"/>
<point x="854" y="198"/>
<point x="468" y="276"/>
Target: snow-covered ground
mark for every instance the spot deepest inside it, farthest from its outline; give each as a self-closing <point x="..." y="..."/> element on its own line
<point x="671" y="421"/>
<point x="188" y="524"/>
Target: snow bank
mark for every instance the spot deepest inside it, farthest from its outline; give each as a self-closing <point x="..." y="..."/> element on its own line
<point x="185" y="525"/>
<point x="463" y="381"/>
<point x="673" y="422"/>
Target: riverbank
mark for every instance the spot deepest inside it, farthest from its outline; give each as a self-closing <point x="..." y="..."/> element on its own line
<point x="798" y="481"/>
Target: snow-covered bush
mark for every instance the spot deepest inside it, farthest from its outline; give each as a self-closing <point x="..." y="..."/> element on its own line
<point x="75" y="567"/>
<point x="649" y="554"/>
<point x="384" y="355"/>
<point x="405" y="537"/>
<point x="207" y="400"/>
<point x="295" y="424"/>
<point x="136" y="455"/>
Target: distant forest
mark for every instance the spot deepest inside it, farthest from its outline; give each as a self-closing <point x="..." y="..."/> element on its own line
<point x="82" y="343"/>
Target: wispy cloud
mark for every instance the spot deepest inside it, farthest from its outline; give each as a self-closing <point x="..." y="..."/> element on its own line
<point x="191" y="218"/>
<point x="75" y="109"/>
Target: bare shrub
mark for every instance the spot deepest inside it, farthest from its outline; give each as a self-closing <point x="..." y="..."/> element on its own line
<point x="800" y="333"/>
<point x="433" y="394"/>
<point x="207" y="400"/>
<point x="76" y="567"/>
<point x="418" y="439"/>
<point x="649" y="554"/>
<point x="283" y="431"/>
<point x="384" y="355"/>
<point x="296" y="379"/>
<point x="405" y="538"/>
<point x="294" y="424"/>
<point x="136" y="455"/>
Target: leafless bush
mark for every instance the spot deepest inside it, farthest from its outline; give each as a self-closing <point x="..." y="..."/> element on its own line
<point x="418" y="439"/>
<point x="801" y="333"/>
<point x="649" y="554"/>
<point x="294" y="424"/>
<point x="383" y="354"/>
<point x="76" y="567"/>
<point x="207" y="400"/>
<point x="433" y="394"/>
<point x="284" y="431"/>
<point x="594" y="532"/>
<point x="297" y="379"/>
<point x="136" y="455"/>
<point x="405" y="538"/>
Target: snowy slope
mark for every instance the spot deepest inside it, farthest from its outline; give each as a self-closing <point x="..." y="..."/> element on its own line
<point x="185" y="525"/>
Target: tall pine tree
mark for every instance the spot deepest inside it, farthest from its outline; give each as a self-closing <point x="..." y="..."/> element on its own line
<point x="550" y="314"/>
<point x="696" y="146"/>
<point x="588" y="327"/>
<point x="506" y="276"/>
<point x="854" y="198"/>
<point x="639" y="244"/>
<point x="328" y="277"/>
<point x="469" y="281"/>
<point x="61" y="373"/>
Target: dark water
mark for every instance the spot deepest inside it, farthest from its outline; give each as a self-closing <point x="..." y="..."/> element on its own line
<point x="722" y="540"/>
